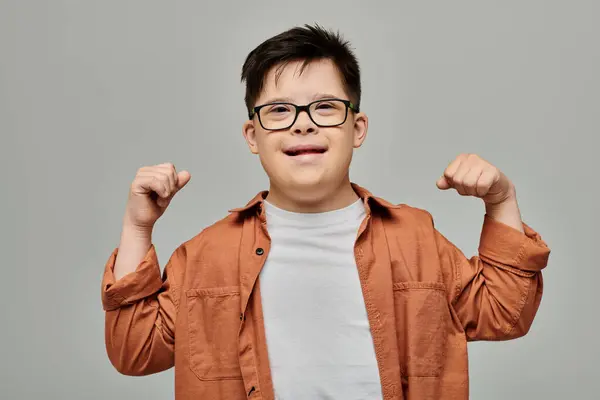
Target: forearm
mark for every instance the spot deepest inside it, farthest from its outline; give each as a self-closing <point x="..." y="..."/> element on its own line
<point x="497" y="303"/>
<point x="140" y="311"/>
<point x="134" y="245"/>
<point x="138" y="341"/>
<point x="499" y="289"/>
<point x="507" y="212"/>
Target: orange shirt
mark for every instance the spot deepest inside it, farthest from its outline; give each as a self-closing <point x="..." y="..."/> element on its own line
<point x="425" y="300"/>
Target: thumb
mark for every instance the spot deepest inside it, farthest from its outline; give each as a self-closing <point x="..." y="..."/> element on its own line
<point x="183" y="178"/>
<point x="443" y="183"/>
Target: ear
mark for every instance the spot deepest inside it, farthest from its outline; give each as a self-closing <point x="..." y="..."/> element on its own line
<point x="249" y="132"/>
<point x="361" y="125"/>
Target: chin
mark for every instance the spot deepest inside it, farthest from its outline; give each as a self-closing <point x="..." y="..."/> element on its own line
<point x="308" y="188"/>
<point x="309" y="180"/>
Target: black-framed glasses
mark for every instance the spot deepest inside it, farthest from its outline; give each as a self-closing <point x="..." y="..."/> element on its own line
<point x="324" y="113"/>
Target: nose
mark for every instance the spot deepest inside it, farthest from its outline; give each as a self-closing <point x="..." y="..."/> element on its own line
<point x="304" y="125"/>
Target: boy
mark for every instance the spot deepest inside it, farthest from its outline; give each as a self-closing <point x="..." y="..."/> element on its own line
<point x="316" y="289"/>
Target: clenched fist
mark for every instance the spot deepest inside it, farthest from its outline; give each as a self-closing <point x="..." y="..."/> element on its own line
<point x="470" y="175"/>
<point x="151" y="192"/>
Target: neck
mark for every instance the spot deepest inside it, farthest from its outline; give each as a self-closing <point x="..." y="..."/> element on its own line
<point x="313" y="200"/>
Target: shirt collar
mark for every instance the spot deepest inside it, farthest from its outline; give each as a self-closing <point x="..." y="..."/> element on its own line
<point x="367" y="197"/>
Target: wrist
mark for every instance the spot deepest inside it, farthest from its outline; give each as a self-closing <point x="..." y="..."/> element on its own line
<point x="498" y="200"/>
<point x="507" y="211"/>
<point x="136" y="232"/>
<point x="509" y="203"/>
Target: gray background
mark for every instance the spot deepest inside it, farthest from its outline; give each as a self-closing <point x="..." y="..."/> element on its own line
<point x="92" y="90"/>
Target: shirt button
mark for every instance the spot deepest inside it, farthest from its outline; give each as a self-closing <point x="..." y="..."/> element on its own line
<point x="260" y="251"/>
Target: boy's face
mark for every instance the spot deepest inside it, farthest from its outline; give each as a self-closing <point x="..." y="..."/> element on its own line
<point x="328" y="164"/>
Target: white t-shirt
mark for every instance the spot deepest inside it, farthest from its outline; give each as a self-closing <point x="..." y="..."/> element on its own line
<point x="318" y="336"/>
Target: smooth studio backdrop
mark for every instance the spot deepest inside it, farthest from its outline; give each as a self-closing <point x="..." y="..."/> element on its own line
<point x="92" y="90"/>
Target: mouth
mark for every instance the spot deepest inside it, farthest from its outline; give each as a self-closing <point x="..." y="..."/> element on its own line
<point x="304" y="150"/>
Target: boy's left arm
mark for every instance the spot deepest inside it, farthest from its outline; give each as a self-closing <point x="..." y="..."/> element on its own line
<point x="497" y="293"/>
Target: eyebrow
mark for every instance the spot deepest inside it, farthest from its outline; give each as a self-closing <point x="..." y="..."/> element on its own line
<point x="317" y="96"/>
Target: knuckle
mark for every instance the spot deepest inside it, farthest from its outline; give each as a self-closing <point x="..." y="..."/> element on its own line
<point x="157" y="181"/>
<point x="164" y="176"/>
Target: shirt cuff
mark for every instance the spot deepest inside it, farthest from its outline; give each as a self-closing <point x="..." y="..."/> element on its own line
<point x="503" y="245"/>
<point x="143" y="282"/>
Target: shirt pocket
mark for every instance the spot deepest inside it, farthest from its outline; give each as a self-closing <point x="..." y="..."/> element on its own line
<point x="213" y="324"/>
<point x="423" y="321"/>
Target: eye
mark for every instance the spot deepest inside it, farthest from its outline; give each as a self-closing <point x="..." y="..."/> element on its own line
<point x="324" y="106"/>
<point x="278" y="109"/>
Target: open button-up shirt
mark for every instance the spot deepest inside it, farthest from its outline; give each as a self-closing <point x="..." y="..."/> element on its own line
<point x="424" y="298"/>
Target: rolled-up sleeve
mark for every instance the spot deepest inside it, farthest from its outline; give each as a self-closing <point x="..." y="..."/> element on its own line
<point x="496" y="294"/>
<point x="143" y="282"/>
<point x="140" y="312"/>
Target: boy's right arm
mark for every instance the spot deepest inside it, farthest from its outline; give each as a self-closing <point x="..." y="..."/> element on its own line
<point x="140" y="305"/>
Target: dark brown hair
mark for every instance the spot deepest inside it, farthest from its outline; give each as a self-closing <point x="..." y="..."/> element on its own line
<point x="308" y="43"/>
